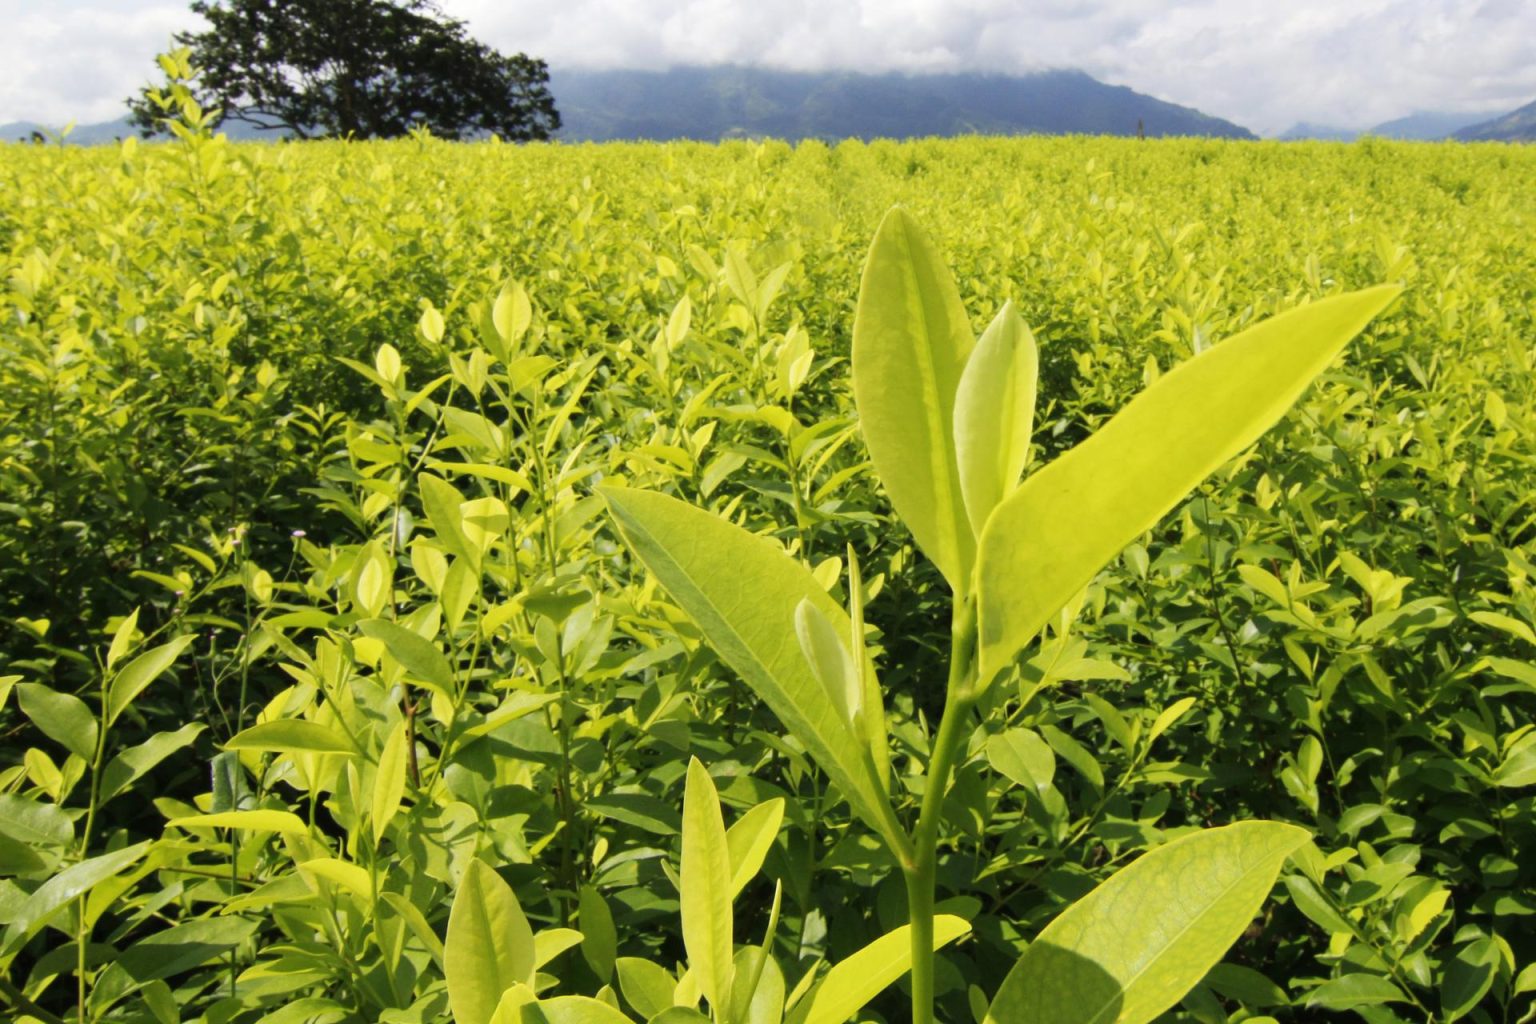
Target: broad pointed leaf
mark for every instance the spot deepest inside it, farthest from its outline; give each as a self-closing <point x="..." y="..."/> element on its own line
<point x="911" y="338"/>
<point x="1133" y="946"/>
<point x="995" y="414"/>
<point x="858" y="979"/>
<point x="489" y="946"/>
<point x="750" y="839"/>
<point x="743" y="590"/>
<point x="826" y="651"/>
<point x="705" y="884"/>
<point x="389" y="781"/>
<point x="140" y="672"/>
<point x="420" y="656"/>
<point x="59" y="891"/>
<point x="251" y="821"/>
<point x="62" y="717"/>
<point x="1046" y="541"/>
<point x="292" y="736"/>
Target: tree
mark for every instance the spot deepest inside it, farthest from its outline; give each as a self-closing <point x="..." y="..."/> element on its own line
<point x="364" y="68"/>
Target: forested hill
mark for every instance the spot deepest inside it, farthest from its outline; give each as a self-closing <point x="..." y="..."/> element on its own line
<point x="726" y="102"/>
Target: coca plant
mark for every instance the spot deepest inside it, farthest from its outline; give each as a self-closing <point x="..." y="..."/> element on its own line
<point x="947" y="419"/>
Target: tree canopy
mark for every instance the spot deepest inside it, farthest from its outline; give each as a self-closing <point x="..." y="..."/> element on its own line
<point x="365" y="68"/>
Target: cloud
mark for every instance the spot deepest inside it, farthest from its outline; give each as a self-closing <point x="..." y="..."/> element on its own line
<point x="67" y="60"/>
<point x="1265" y="65"/>
<point x="1262" y="64"/>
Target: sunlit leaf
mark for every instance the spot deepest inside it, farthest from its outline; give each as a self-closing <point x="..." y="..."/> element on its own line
<point x="911" y="338"/>
<point x="1133" y="946"/>
<point x="1047" y="540"/>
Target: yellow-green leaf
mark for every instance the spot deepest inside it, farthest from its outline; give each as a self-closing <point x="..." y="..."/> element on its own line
<point x="62" y="717"/>
<point x="1133" y="946"/>
<point x="339" y="872"/>
<point x="572" y="1010"/>
<point x="1046" y="541"/>
<point x="292" y="736"/>
<point x="705" y="884"/>
<point x="743" y="590"/>
<point x="911" y="338"/>
<point x="489" y="947"/>
<point x="251" y="821"/>
<point x="995" y="414"/>
<point x="865" y="974"/>
<point x="140" y="672"/>
<point x="419" y="655"/>
<point x="389" y="780"/>
<point x="826" y="651"/>
<point x="750" y="839"/>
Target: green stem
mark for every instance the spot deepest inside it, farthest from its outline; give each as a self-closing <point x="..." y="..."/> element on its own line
<point x="19" y="999"/>
<point x="922" y="870"/>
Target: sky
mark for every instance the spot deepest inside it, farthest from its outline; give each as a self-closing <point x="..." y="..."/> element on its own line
<point x="1265" y="64"/>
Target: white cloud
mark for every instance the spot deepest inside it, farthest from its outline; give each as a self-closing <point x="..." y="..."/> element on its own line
<point x="68" y="60"/>
<point x="1260" y="63"/>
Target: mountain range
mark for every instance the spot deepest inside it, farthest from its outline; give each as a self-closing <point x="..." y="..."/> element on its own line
<point x="1516" y="126"/>
<point x="721" y="102"/>
<point x="727" y="102"/>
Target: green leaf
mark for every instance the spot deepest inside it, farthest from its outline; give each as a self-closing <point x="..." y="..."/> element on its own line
<point x="419" y="655"/>
<point x="638" y="809"/>
<point x="183" y="947"/>
<point x="352" y="877"/>
<point x="765" y="1003"/>
<point x="647" y="987"/>
<point x="124" y="769"/>
<point x="858" y="979"/>
<point x="416" y="921"/>
<point x="1468" y="977"/>
<point x="911" y="338"/>
<point x="62" y="717"/>
<point x="35" y="823"/>
<point x="1311" y="902"/>
<point x="995" y="414"/>
<point x="292" y="736"/>
<point x="705" y="884"/>
<point x="63" y="888"/>
<point x="489" y="946"/>
<point x="1245" y="985"/>
<point x="1519" y="765"/>
<point x="140" y="672"/>
<point x="17" y="858"/>
<point x="442" y="503"/>
<point x="1022" y="756"/>
<point x="1136" y="944"/>
<point x="251" y="821"/>
<point x="122" y="638"/>
<point x="1354" y="990"/>
<point x="572" y="1010"/>
<point x="1048" y="539"/>
<point x="743" y="590"/>
<point x="750" y="839"/>
<point x="599" y="938"/>
<point x="826" y="651"/>
<point x="389" y="781"/>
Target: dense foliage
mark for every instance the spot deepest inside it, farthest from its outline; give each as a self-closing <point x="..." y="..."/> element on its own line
<point x="364" y="69"/>
<point x="299" y="445"/>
